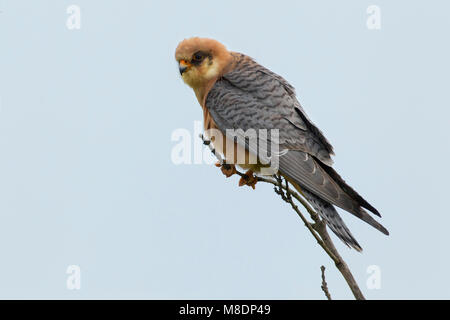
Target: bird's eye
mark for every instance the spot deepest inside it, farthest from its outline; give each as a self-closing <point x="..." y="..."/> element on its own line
<point x="198" y="57"/>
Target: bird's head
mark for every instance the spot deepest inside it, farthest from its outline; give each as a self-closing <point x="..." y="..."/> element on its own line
<point x="201" y="60"/>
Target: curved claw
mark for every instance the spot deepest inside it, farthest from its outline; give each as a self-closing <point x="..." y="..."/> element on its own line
<point x="227" y="169"/>
<point x="249" y="179"/>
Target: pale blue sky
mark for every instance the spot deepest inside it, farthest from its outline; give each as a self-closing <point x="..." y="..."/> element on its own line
<point x="86" y="177"/>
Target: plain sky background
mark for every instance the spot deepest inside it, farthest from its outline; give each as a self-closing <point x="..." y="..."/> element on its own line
<point x="86" y="176"/>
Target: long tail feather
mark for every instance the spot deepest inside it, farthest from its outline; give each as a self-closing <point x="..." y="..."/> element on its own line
<point x="329" y="214"/>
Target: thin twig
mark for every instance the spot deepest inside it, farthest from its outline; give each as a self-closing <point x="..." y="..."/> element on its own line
<point x="324" y="284"/>
<point x="323" y="239"/>
<point x="317" y="228"/>
<point x="310" y="226"/>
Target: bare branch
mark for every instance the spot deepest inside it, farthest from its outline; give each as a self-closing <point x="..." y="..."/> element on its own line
<point x="317" y="228"/>
<point x="324" y="284"/>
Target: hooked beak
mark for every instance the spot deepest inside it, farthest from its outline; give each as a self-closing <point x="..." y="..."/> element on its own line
<point x="183" y="66"/>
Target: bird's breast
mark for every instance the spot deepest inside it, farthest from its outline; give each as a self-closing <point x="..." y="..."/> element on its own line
<point x="238" y="154"/>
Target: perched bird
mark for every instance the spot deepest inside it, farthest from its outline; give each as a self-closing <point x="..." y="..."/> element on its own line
<point x="235" y="92"/>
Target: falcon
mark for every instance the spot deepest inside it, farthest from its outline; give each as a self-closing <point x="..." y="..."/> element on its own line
<point x="237" y="93"/>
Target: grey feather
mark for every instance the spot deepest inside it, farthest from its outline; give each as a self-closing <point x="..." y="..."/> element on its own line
<point x="305" y="170"/>
<point x="253" y="97"/>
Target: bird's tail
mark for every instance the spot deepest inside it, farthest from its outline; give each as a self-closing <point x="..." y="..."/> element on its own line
<point x="330" y="215"/>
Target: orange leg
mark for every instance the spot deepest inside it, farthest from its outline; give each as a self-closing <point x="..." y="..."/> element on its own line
<point x="249" y="179"/>
<point x="227" y="169"/>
